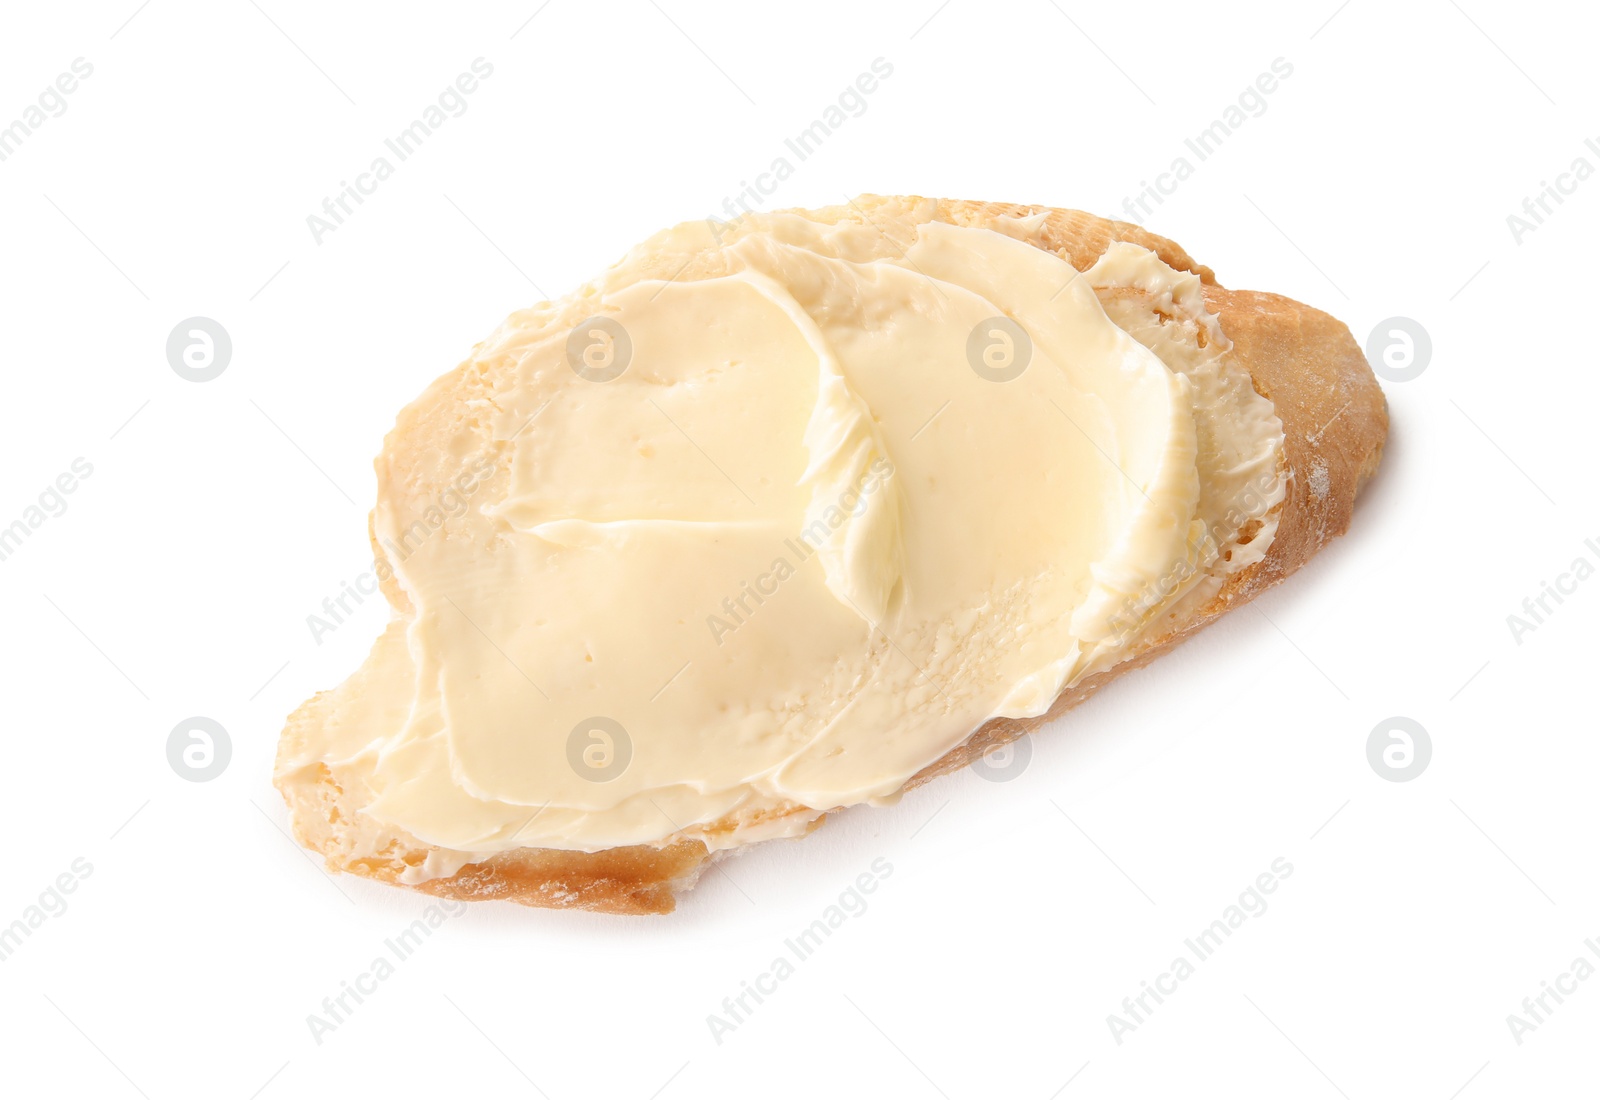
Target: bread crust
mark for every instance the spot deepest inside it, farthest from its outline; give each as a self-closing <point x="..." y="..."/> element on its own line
<point x="1335" y="422"/>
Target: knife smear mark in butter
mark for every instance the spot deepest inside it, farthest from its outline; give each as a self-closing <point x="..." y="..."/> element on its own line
<point x="853" y="516"/>
<point x="832" y="516"/>
<point x="801" y="545"/>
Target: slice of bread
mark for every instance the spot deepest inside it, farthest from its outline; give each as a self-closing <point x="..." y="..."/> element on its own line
<point x="1302" y="360"/>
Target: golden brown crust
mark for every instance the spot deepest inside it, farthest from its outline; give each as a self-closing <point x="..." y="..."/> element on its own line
<point x="636" y="879"/>
<point x="1335" y="422"/>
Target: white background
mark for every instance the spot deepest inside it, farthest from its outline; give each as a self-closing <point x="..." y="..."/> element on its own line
<point x="219" y="515"/>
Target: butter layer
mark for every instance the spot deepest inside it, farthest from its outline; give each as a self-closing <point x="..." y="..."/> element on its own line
<point x="803" y="543"/>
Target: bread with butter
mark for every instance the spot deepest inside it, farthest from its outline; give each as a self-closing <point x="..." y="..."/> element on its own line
<point x="334" y="764"/>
